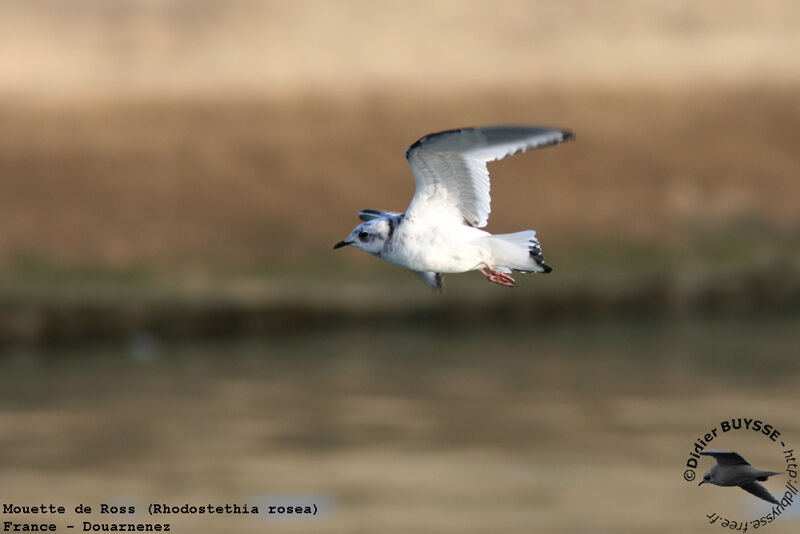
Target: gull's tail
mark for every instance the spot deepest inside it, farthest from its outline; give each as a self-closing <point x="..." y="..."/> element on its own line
<point x="519" y="251"/>
<point x="764" y="475"/>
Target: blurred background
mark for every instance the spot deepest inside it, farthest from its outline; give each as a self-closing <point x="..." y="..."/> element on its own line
<point x="174" y="326"/>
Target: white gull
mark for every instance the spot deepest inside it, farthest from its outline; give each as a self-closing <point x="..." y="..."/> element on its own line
<point x="440" y="232"/>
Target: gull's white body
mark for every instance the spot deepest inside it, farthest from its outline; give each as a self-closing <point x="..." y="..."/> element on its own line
<point x="439" y="248"/>
<point x="440" y="232"/>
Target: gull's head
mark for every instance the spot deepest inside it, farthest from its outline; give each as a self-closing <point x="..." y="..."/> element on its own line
<point x="369" y="236"/>
<point x="708" y="478"/>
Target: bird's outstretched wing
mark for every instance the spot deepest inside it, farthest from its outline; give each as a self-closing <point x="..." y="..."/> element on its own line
<point x="432" y="280"/>
<point x="368" y="215"/>
<point x="759" y="491"/>
<point x="450" y="168"/>
<point x="726" y="457"/>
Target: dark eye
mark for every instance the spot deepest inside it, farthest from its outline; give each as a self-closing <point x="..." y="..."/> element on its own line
<point x="362" y="236"/>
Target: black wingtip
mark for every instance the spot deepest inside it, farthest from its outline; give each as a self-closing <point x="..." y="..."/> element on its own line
<point x="547" y="268"/>
<point x="368" y="214"/>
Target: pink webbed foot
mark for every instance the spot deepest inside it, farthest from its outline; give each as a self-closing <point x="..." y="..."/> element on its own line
<point x="498" y="277"/>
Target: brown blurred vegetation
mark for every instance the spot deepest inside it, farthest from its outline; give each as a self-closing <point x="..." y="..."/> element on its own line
<point x="263" y="183"/>
<point x="192" y="136"/>
<point x="211" y="152"/>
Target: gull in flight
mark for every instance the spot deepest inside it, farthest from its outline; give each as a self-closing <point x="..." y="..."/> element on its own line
<point x="732" y="469"/>
<point x="440" y="231"/>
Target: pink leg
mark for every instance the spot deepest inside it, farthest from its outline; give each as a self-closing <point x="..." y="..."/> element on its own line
<point x="497" y="277"/>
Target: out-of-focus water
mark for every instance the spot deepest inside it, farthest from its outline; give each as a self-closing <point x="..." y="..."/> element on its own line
<point x="569" y="426"/>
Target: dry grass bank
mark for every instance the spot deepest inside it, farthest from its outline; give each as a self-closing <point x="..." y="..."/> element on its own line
<point x="262" y="183"/>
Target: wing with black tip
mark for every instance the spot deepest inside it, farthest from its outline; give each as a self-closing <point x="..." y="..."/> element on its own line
<point x="368" y="215"/>
<point x="450" y="168"/>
